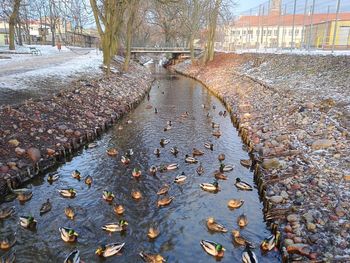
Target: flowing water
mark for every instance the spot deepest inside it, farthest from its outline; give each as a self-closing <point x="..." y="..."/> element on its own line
<point x="183" y="223"/>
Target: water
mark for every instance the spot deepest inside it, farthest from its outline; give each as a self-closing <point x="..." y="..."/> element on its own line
<point x="183" y="222"/>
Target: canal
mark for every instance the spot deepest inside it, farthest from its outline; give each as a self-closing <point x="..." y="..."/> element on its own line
<point x="182" y="224"/>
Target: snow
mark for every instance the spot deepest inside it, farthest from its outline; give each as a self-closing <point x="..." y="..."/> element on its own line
<point x="289" y="51"/>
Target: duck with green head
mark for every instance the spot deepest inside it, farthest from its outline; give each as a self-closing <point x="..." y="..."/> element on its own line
<point x="108" y="196"/>
<point x="213" y="248"/>
<point x="68" y="234"/>
<point x="116" y="227"/>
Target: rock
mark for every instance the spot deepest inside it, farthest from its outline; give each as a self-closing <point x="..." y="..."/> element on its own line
<point x="69" y="132"/>
<point x="271" y="164"/>
<point x="292" y="218"/>
<point x="276" y="199"/>
<point x="321" y="144"/>
<point x="50" y="152"/>
<point x="301" y="249"/>
<point x="34" y="154"/>
<point x="308" y="217"/>
<point x="284" y="194"/>
<point x="346" y="177"/>
<point x="4" y="169"/>
<point x="77" y="133"/>
<point x="339" y="211"/>
<point x="333" y="217"/>
<point x="297" y="240"/>
<point x="62" y="127"/>
<point x="12" y="165"/>
<point x="288" y="229"/>
<point x="13" y="142"/>
<point x="19" y="151"/>
<point x="310" y="226"/>
<point x="288" y="242"/>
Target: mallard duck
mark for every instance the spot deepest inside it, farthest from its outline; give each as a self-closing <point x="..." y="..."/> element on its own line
<point x="68" y="234"/>
<point x="27" y="222"/>
<point x="45" y="207"/>
<point x="174" y="150"/>
<point x="116" y="227"/>
<point x="184" y="115"/>
<point x="125" y="160"/>
<point x="196" y="152"/>
<point x="109" y="249"/>
<point x="246" y="163"/>
<point x="220" y="175"/>
<point x="73" y="257"/>
<point x="9" y="257"/>
<point x="180" y="178"/>
<point x="76" y="174"/>
<point x="157" y="152"/>
<point x="69" y="212"/>
<point x="189" y="159"/>
<point x="88" y="180"/>
<point x="243" y="185"/>
<point x="216" y="133"/>
<point x="225" y="113"/>
<point x="153" y="170"/>
<point x="136" y="194"/>
<point x="213" y="248"/>
<point x="155" y="110"/>
<point x="242" y="220"/>
<point x="69" y="193"/>
<point x="209" y="145"/>
<point x="170" y="123"/>
<point x="120" y="127"/>
<point x="7" y="242"/>
<point x="119" y="209"/>
<point x="136" y="172"/>
<point x="271" y="241"/>
<point x="200" y="169"/>
<point x="108" y="196"/>
<point x="172" y="166"/>
<point x="167" y="128"/>
<point x="249" y="256"/>
<point x="165" y="201"/>
<point x="153" y="232"/>
<point x="52" y="177"/>
<point x="129" y="153"/>
<point x="92" y="145"/>
<point x="214" y="226"/>
<point x="225" y="168"/>
<point x="235" y="203"/>
<point x="24" y="196"/>
<point x="6" y="212"/>
<point x="163" y="190"/>
<point x="215" y="125"/>
<point x="213" y="187"/>
<point x="163" y="142"/>
<point x="238" y="239"/>
<point x="151" y="258"/>
<point x="221" y="157"/>
<point x="112" y="152"/>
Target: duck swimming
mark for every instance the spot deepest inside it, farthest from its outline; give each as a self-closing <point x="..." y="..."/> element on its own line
<point x="213" y="187"/>
<point x="167" y="128"/>
<point x="76" y="174"/>
<point x="238" y="239"/>
<point x="129" y="153"/>
<point x="216" y="133"/>
<point x="73" y="257"/>
<point x="9" y="257"/>
<point x="68" y="193"/>
<point x="196" y="152"/>
<point x="200" y="169"/>
<point x="157" y="152"/>
<point x="214" y="226"/>
<point x="235" y="203"/>
<point x="189" y="159"/>
<point x="243" y="185"/>
<point x="112" y="152"/>
<point x="116" y="227"/>
<point x="163" y="142"/>
<point x="69" y="212"/>
<point x="136" y="194"/>
<point x="151" y="258"/>
<point x="68" y="234"/>
<point x="7" y="242"/>
<point x="136" y="172"/>
<point x="24" y="196"/>
<point x="221" y="157"/>
<point x="209" y="145"/>
<point x="52" y="177"/>
<point x="165" y="201"/>
<point x="125" y="160"/>
<point x="163" y="190"/>
<point x="242" y="220"/>
<point x="174" y="150"/>
<point x="153" y="170"/>
<point x="153" y="232"/>
<point x="27" y="222"/>
<point x="172" y="166"/>
<point x="6" y="212"/>
<point x="215" y="125"/>
<point x="92" y="145"/>
<point x="213" y="248"/>
<point x="119" y="209"/>
<point x="108" y="196"/>
<point x="249" y="256"/>
<point x="88" y="180"/>
<point x="45" y="207"/>
<point x="271" y="241"/>
<point x="225" y="168"/>
<point x="219" y="175"/>
<point x="109" y="249"/>
<point x="180" y="178"/>
<point x="246" y="163"/>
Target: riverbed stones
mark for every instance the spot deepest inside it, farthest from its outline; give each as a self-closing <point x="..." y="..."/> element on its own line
<point x="13" y="142"/>
<point x="292" y="218"/>
<point x="271" y="163"/>
<point x="276" y="199"/>
<point x="34" y="154"/>
<point x="321" y="144"/>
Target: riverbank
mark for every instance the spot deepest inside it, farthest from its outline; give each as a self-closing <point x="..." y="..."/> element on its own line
<point x="293" y="111"/>
<point x="38" y="134"/>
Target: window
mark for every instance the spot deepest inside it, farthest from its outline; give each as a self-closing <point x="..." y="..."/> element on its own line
<point x="269" y="32"/>
<point x="257" y="32"/>
<point x="264" y="33"/>
<point x="244" y="32"/>
<point x="296" y="32"/>
<point x="275" y="32"/>
<point x="290" y="32"/>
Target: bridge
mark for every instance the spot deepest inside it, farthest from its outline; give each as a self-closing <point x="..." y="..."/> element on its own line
<point x="172" y="50"/>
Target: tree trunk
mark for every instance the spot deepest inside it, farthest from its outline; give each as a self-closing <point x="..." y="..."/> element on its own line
<point x="213" y="17"/>
<point x="12" y="24"/>
<point x="133" y="6"/>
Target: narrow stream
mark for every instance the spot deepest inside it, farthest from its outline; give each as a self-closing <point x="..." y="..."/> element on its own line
<point x="182" y="224"/>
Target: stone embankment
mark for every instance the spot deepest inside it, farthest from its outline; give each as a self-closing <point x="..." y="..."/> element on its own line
<point x="293" y="112"/>
<point x="37" y="135"/>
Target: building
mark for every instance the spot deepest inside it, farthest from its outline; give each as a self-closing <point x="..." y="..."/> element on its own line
<point x="4" y="33"/>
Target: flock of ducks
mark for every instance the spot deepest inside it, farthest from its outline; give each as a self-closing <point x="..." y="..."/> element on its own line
<point x="107" y="250"/>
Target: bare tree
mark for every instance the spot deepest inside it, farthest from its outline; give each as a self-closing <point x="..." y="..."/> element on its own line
<point x="12" y="23"/>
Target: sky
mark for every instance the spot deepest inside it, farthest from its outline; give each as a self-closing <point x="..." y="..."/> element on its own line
<point x="244" y="5"/>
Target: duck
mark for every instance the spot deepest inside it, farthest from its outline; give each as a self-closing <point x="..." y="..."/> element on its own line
<point x="76" y="174"/>
<point x="163" y="190"/>
<point x="170" y="123"/>
<point x="27" y="222"/>
<point x="88" y="180"/>
<point x="155" y="110"/>
<point x="215" y="125"/>
<point x="242" y="220"/>
<point x="69" y="212"/>
<point x="7" y="212"/>
<point x="243" y="185"/>
<point x="109" y="249"/>
<point x="45" y="207"/>
<point x="180" y="178"/>
<point x="214" y="226"/>
<point x="24" y="196"/>
<point x="248" y="256"/>
<point x="184" y="115"/>
<point x="235" y="203"/>
<point x="165" y="201"/>
<point x="221" y="157"/>
<point x="225" y="113"/>
<point x="189" y="159"/>
<point x="125" y="160"/>
<point x="157" y="152"/>
<point x="200" y="169"/>
<point x="129" y="153"/>
<point x="68" y="234"/>
<point x="151" y="258"/>
<point x="7" y="242"/>
<point x="9" y="257"/>
<point x="112" y="152"/>
<point x="153" y="232"/>
<point x="136" y="172"/>
<point x="238" y="239"/>
<point x="246" y="163"/>
<point x="153" y="170"/>
<point x="172" y="166"/>
<point x="163" y="142"/>
<point x="214" y="107"/>
<point x="219" y="175"/>
<point x="116" y="227"/>
<point x="73" y="257"/>
<point x="136" y="194"/>
<point x="213" y="187"/>
<point x="225" y="168"/>
<point x="174" y="150"/>
<point x="271" y="241"/>
<point x="52" y="177"/>
<point x="119" y="209"/>
<point x="213" y="248"/>
<point x="108" y="196"/>
<point x="197" y="152"/>
<point x="69" y="193"/>
<point x="167" y="128"/>
<point x="92" y="145"/>
<point x="209" y="145"/>
<point x="216" y="133"/>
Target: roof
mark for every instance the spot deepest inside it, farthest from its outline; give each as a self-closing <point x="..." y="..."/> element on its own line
<point x="287" y="20"/>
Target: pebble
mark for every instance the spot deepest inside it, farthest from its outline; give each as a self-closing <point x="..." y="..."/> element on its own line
<point x="276" y="199"/>
<point x="34" y="154"/>
<point x="292" y="218"/>
<point x="13" y="142"/>
<point x="311" y="226"/>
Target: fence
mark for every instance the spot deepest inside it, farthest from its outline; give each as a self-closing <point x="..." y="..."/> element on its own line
<point x="291" y="24"/>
